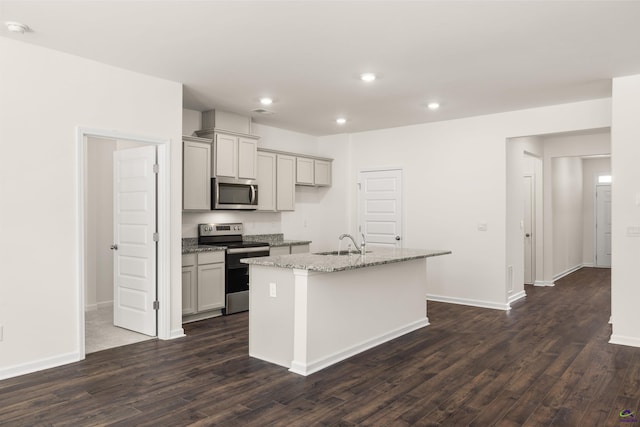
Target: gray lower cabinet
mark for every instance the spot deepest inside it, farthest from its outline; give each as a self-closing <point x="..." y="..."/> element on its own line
<point x="288" y="249"/>
<point x="299" y="249"/>
<point x="202" y="284"/>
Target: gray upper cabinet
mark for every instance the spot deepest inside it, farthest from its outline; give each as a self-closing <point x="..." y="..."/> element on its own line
<point x="276" y="181"/>
<point x="304" y="171"/>
<point x="321" y="172"/>
<point x="266" y="181"/>
<point x="196" y="173"/>
<point x="313" y="171"/>
<point x="235" y="156"/>
<point x="285" y="183"/>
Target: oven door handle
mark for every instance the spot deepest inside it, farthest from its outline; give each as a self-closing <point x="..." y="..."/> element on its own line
<point x="248" y="250"/>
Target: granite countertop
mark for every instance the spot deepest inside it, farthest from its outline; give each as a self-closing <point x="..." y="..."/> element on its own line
<point x="332" y="263"/>
<point x="190" y="246"/>
<point x="274" y="240"/>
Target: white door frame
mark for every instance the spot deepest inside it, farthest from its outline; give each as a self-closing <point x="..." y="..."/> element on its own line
<point x="532" y="201"/>
<point x="402" y="193"/>
<point x="164" y="211"/>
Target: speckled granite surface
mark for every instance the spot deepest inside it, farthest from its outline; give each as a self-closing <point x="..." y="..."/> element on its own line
<point x="332" y="263"/>
<point x="274" y="239"/>
<point x="190" y="246"/>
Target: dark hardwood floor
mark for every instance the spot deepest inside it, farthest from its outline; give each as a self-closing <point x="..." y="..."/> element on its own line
<point x="545" y="362"/>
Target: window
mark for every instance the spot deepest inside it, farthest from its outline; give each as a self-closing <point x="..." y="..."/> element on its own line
<point x="604" y="179"/>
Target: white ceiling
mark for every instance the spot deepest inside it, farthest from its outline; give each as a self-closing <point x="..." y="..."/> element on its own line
<point x="474" y="57"/>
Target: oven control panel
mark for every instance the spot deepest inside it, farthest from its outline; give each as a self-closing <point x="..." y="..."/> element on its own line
<point x="228" y="229"/>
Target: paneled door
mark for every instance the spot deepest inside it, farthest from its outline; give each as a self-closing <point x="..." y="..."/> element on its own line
<point x="528" y="221"/>
<point x="134" y="245"/>
<point x="603" y="225"/>
<point x="380" y="207"/>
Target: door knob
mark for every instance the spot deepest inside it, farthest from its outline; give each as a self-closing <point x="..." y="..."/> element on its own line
<point x="397" y="237"/>
<point x="527" y="235"/>
<point x="114" y="247"/>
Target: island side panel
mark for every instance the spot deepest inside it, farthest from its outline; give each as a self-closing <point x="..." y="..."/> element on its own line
<point x="351" y="311"/>
<point x="271" y="318"/>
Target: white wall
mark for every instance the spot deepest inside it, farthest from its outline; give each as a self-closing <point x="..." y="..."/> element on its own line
<point x="322" y="213"/>
<point x="44" y="96"/>
<point x="625" y="275"/>
<point x="567" y="213"/>
<point x="591" y="168"/>
<point x="455" y="173"/>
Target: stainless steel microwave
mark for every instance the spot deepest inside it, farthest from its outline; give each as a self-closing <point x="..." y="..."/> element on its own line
<point x="229" y="193"/>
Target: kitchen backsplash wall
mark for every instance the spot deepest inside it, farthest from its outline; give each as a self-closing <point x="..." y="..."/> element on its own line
<point x="254" y="222"/>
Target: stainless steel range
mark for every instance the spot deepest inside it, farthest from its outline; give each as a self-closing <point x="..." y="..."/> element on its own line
<point x="236" y="273"/>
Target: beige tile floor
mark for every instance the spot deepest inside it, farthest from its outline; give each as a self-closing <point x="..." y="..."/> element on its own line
<point x="100" y="334"/>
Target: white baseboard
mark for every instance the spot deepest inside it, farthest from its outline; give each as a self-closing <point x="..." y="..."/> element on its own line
<point x="177" y="333"/>
<point x="516" y="297"/>
<point x="588" y="264"/>
<point x="543" y="283"/>
<point x="567" y="272"/>
<point x="471" y="302"/>
<point x="622" y="340"/>
<point x="96" y="306"/>
<point x="301" y="368"/>
<point x="38" y="365"/>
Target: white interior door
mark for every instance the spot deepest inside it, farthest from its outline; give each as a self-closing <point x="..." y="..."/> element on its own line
<point x="603" y="225"/>
<point x="134" y="246"/>
<point x="380" y="207"/>
<point x="528" y="221"/>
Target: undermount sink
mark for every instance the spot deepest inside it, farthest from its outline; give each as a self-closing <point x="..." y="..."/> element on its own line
<point x="341" y="253"/>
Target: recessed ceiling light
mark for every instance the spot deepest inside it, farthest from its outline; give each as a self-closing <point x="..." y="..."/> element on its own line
<point x="16" y="27"/>
<point x="266" y="101"/>
<point x="433" y="106"/>
<point x="341" y="120"/>
<point x="367" y="77"/>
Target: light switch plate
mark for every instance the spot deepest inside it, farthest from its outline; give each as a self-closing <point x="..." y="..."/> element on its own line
<point x="482" y="226"/>
<point x="272" y="290"/>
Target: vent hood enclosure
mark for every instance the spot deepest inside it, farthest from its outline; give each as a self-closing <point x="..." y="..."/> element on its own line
<point x="225" y="121"/>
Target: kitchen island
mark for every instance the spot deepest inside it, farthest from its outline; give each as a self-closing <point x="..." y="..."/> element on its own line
<point x="309" y="311"/>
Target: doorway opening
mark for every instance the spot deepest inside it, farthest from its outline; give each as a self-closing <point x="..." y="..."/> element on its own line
<point x="123" y="209"/>
<point x="553" y="233"/>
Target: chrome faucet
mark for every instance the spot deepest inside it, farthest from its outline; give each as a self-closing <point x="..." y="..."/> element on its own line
<point x="360" y="247"/>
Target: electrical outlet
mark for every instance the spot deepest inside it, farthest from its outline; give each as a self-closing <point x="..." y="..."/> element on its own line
<point x="272" y="290"/>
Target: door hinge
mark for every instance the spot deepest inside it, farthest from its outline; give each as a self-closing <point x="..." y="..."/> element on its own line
<point x="156" y="237"/>
<point x="156" y="305"/>
<point x="156" y="168"/>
